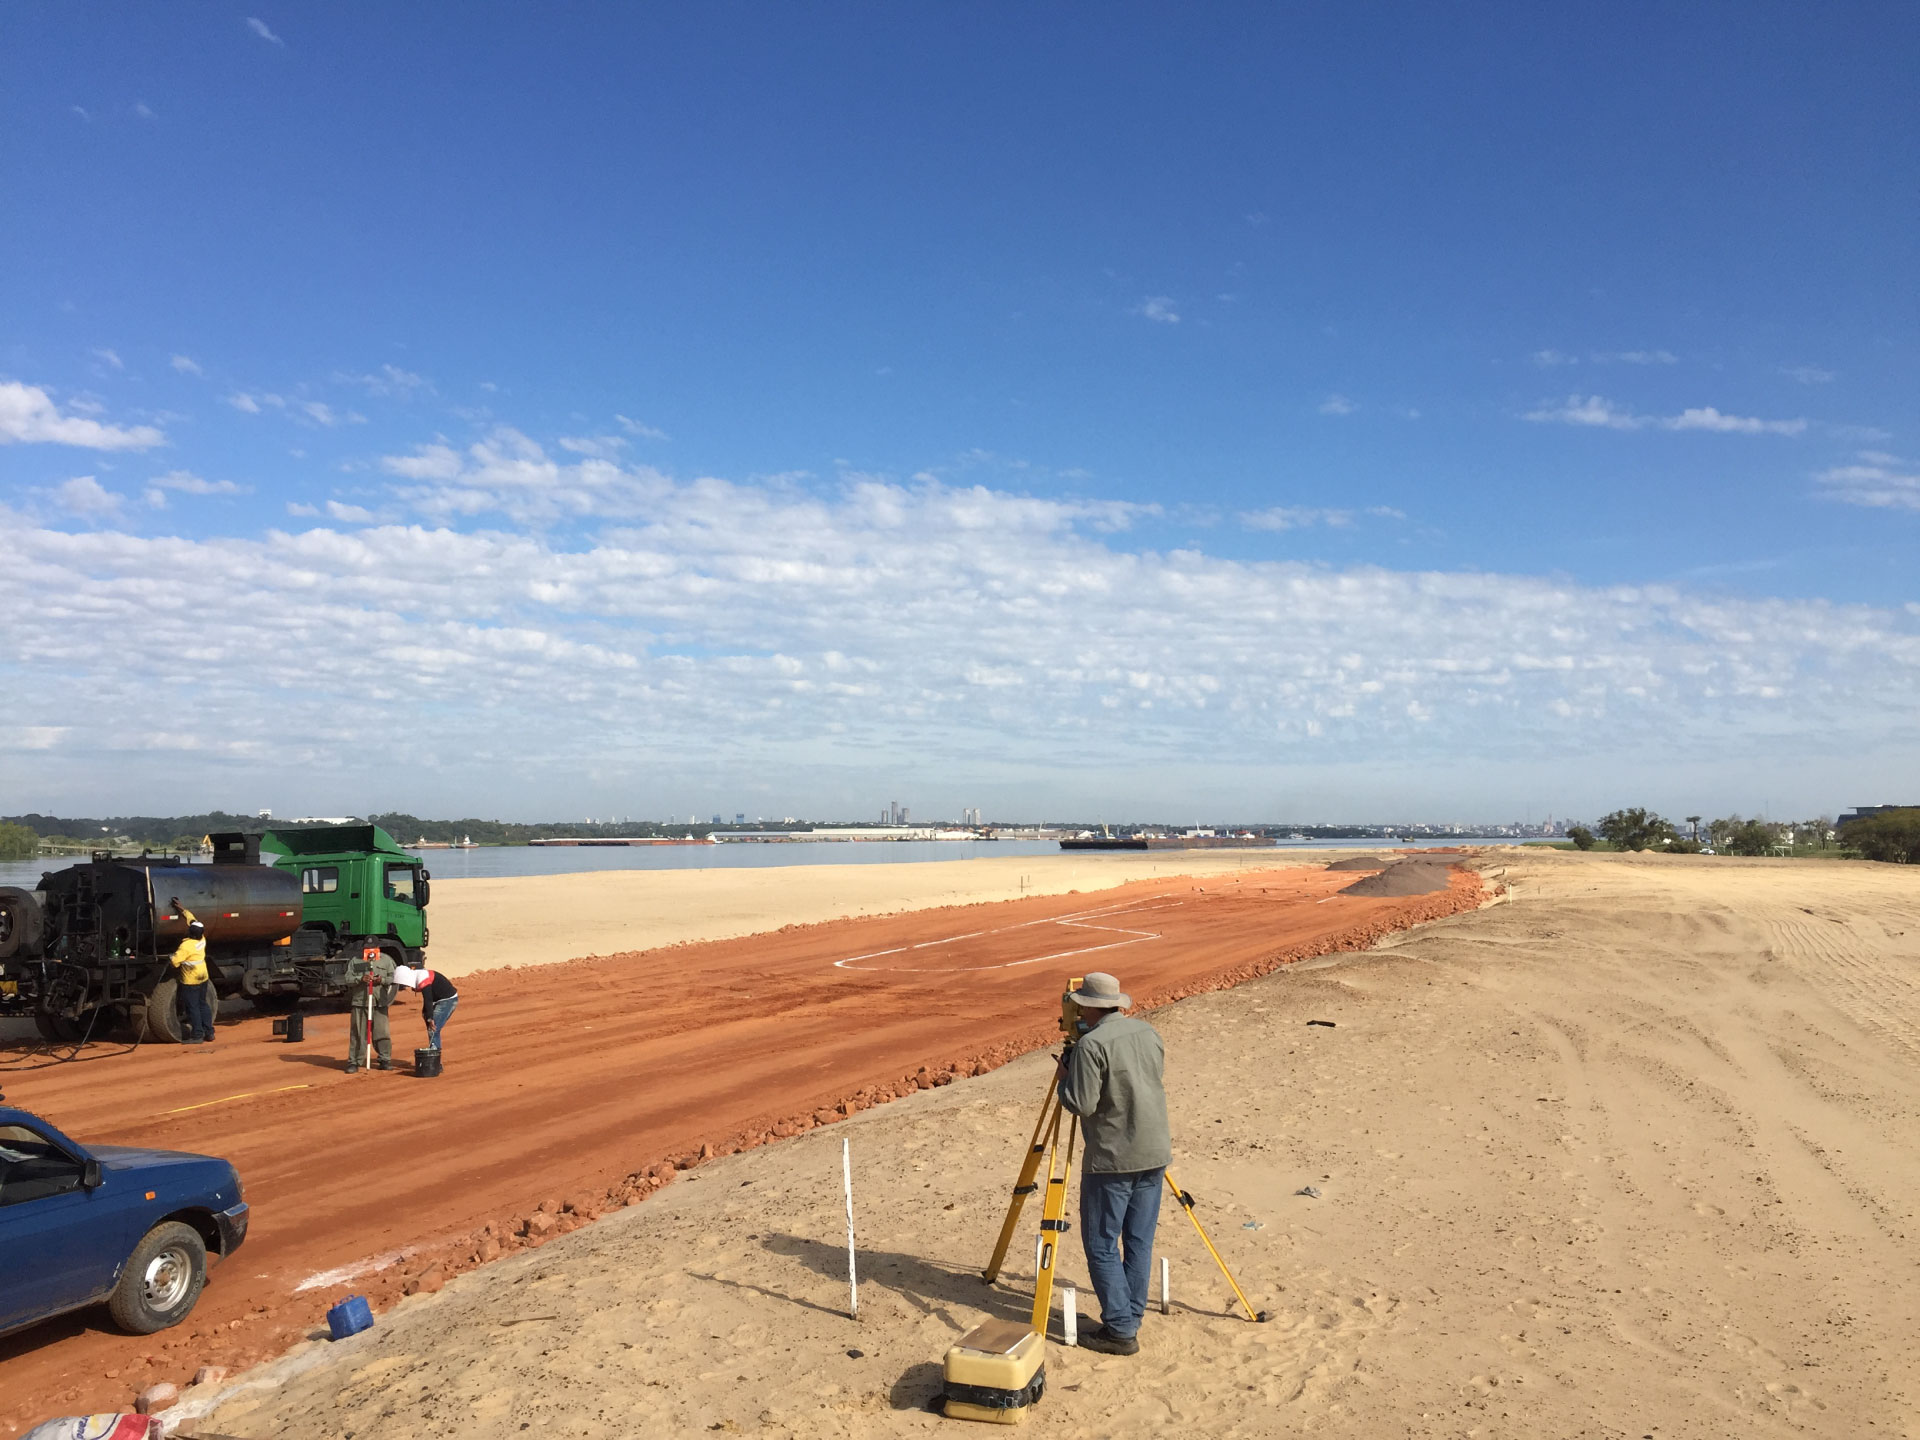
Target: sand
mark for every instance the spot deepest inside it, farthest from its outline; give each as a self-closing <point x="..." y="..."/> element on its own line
<point x="1631" y="1153"/>
<point x="539" y="919"/>
<point x="577" y="1088"/>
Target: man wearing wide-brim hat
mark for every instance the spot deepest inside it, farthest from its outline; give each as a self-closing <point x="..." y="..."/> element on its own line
<point x="1111" y="1079"/>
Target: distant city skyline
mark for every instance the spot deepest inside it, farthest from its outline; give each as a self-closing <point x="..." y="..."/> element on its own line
<point x="1050" y="411"/>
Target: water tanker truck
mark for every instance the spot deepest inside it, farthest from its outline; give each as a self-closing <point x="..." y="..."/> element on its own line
<point x="86" y="951"/>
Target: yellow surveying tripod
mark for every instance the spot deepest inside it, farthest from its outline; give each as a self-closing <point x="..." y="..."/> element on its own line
<point x="1045" y="1145"/>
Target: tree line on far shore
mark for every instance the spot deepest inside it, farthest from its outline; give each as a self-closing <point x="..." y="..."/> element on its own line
<point x="1891" y="835"/>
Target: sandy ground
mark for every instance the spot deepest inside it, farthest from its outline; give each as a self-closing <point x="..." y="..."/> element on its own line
<point x="481" y="924"/>
<point x="577" y="1088"/>
<point x="1631" y="1154"/>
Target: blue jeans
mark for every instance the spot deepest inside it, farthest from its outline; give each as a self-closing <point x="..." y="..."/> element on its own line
<point x="1118" y="1215"/>
<point x="437" y="1021"/>
<point x="199" y="1000"/>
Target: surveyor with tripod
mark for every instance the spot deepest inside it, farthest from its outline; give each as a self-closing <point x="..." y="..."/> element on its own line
<point x="1111" y="1078"/>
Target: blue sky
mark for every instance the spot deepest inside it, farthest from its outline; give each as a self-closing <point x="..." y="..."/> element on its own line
<point x="1296" y="413"/>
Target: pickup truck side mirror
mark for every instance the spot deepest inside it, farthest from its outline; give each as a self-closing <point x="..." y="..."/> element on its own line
<point x="90" y="1177"/>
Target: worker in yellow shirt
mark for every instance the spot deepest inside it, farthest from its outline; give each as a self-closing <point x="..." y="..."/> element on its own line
<point x="190" y="965"/>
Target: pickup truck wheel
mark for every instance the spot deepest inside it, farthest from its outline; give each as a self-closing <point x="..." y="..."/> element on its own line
<point x="163" y="1278"/>
<point x="158" y="1021"/>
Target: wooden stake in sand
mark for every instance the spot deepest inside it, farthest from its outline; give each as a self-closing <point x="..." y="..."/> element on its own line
<point x="846" y="1179"/>
<point x="1166" y="1286"/>
<point x="1069" y="1317"/>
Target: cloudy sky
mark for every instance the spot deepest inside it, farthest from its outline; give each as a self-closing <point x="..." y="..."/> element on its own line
<point x="1095" y="411"/>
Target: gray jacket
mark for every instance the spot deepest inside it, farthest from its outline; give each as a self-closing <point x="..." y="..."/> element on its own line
<point x="1113" y="1084"/>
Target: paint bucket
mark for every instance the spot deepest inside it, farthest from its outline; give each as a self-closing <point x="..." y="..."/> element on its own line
<point x="349" y="1317"/>
<point x="426" y="1063"/>
<point x="293" y="1027"/>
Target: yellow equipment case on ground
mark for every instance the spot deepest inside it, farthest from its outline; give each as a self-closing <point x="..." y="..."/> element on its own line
<point x="995" y="1372"/>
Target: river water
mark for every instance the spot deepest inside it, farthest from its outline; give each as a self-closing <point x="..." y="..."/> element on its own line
<point x="502" y="860"/>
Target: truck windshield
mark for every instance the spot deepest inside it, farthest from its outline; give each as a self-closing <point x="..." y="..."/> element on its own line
<point x="401" y="883"/>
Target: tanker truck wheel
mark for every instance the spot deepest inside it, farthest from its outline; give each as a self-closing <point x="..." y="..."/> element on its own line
<point x="56" y="1029"/>
<point x="159" y="1022"/>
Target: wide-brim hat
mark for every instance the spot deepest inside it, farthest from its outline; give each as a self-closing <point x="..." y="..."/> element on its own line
<point x="1100" y="991"/>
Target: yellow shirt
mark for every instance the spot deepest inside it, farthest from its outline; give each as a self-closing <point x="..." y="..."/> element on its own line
<point x="190" y="956"/>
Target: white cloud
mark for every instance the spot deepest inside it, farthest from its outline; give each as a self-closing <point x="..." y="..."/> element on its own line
<point x="1337" y="405"/>
<point x="605" y="446"/>
<point x="1591" y="410"/>
<point x="298" y="507"/>
<point x="186" y="365"/>
<point x="389" y="382"/>
<point x="1596" y="410"/>
<point x="1548" y="359"/>
<point x="245" y="403"/>
<point x="28" y="416"/>
<point x="110" y="358"/>
<point x="84" y="495"/>
<point x="143" y="110"/>
<point x="428" y="462"/>
<point x="317" y="411"/>
<point x="259" y="27"/>
<point x="31" y="737"/>
<point x="644" y="432"/>
<point x="953" y="629"/>
<point x="1294" y="517"/>
<point x="82" y="112"/>
<point x="1877" y="480"/>
<point x="188" y="483"/>
<point x="1708" y="418"/>
<point x="1160" y="308"/>
<point x="1809" y="374"/>
<point x="1637" y="357"/>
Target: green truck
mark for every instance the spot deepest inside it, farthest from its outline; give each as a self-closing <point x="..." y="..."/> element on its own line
<point x="287" y="914"/>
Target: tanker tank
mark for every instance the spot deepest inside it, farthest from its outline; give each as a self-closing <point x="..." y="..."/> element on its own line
<point x="239" y="904"/>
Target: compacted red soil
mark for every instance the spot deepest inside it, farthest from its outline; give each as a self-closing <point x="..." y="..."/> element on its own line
<point x="570" y="1089"/>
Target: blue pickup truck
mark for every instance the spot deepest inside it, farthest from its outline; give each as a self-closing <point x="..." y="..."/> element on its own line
<point x="84" y="1224"/>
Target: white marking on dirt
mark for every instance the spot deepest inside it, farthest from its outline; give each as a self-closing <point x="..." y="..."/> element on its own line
<point x="372" y="1265"/>
<point x="1079" y="920"/>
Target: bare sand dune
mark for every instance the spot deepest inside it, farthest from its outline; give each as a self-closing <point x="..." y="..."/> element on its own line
<point x="1633" y="1154"/>
<point x="541" y="919"/>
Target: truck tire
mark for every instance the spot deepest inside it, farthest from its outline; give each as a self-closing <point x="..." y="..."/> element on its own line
<point x="159" y="1023"/>
<point x="162" y="1279"/>
<point x="56" y="1029"/>
<point x="20" y="921"/>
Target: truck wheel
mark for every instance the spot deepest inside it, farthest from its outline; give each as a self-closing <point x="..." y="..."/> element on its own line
<point x="163" y="1278"/>
<point x="55" y="1029"/>
<point x="159" y="1022"/>
<point x="20" y="920"/>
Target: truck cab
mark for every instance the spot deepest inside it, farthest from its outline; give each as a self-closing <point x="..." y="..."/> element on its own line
<point x="355" y="883"/>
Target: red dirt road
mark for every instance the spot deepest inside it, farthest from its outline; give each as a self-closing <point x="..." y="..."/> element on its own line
<point x="570" y="1089"/>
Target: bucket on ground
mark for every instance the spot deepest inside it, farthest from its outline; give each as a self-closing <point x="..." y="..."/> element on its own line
<point x="349" y="1317"/>
<point x="426" y="1062"/>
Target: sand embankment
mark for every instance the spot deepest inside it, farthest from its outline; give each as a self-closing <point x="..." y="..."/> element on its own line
<point x="577" y="1088"/>
<point x="1634" y="1154"/>
<point x="540" y="919"/>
